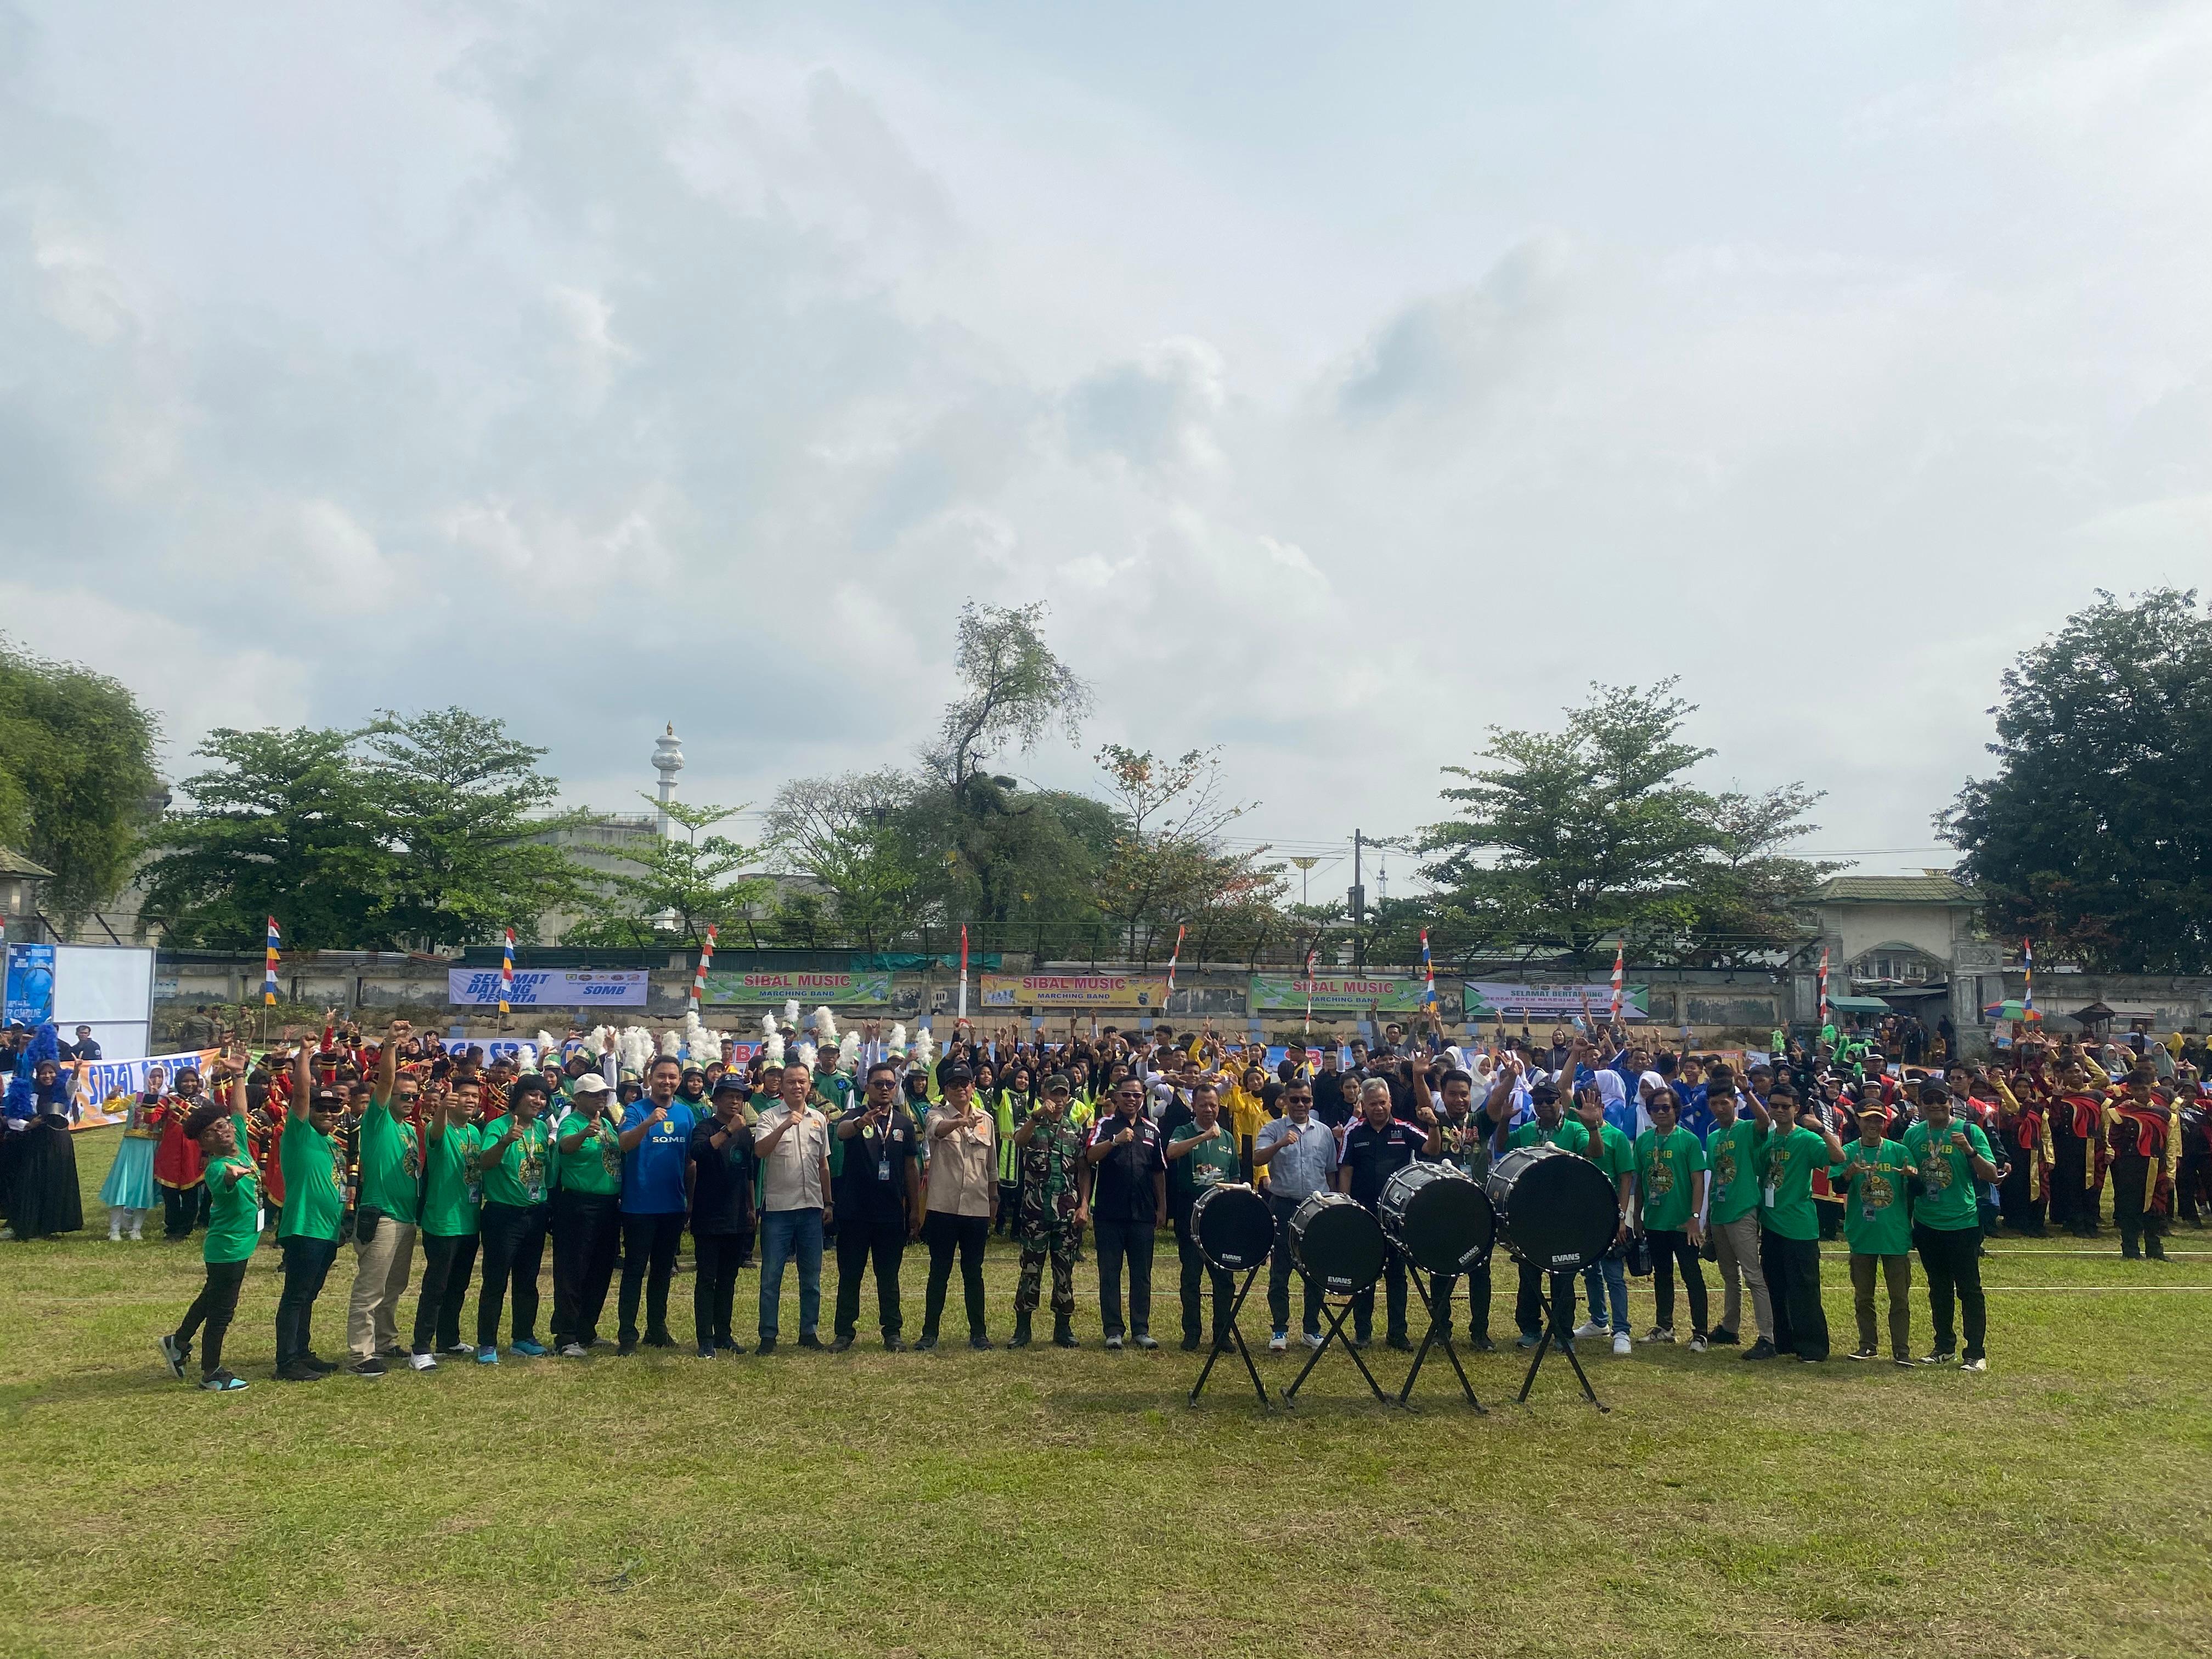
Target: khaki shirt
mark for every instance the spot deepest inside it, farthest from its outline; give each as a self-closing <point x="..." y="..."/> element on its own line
<point x="791" y="1171"/>
<point x="964" y="1168"/>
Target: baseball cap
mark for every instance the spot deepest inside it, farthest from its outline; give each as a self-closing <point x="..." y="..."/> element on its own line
<point x="590" y="1084"/>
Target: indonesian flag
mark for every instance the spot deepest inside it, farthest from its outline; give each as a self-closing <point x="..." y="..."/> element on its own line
<point x="706" y="956"/>
<point x="1824" y="985"/>
<point x="1173" y="957"/>
<point x="506" y="972"/>
<point x="963" y="1016"/>
<point x="269" y="966"/>
<point x="1619" y="959"/>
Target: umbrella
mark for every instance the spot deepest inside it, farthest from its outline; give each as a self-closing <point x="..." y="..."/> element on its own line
<point x="2013" y="1009"/>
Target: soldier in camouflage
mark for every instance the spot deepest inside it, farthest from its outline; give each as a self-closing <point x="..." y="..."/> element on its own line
<point x="1051" y="1212"/>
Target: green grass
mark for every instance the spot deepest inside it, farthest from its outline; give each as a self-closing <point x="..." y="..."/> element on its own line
<point x="1046" y="1502"/>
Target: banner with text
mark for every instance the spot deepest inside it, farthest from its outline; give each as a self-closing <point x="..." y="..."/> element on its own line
<point x="1075" y="991"/>
<point x="838" y="990"/>
<point x="1487" y="998"/>
<point x="1338" y="996"/>
<point x="99" y="1081"/>
<point x="549" y="987"/>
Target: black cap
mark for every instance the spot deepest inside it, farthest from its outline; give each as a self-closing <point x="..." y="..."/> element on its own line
<point x="731" y="1082"/>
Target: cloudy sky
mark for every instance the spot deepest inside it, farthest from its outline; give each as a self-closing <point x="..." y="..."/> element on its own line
<point x="1346" y="383"/>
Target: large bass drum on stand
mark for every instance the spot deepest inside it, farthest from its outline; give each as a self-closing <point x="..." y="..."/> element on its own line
<point x="1438" y="1217"/>
<point x="1556" y="1208"/>
<point x="1233" y="1227"/>
<point x="1336" y="1242"/>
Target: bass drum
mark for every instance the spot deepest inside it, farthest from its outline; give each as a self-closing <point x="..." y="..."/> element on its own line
<point x="1335" y="1241"/>
<point x="1438" y="1217"/>
<point x="1557" y="1210"/>
<point x="1233" y="1227"/>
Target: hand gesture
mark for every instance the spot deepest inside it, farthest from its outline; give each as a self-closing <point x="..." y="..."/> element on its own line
<point x="1425" y="1117"/>
<point x="399" y="1030"/>
<point x="1125" y="1137"/>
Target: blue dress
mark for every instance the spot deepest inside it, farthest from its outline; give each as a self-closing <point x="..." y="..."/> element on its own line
<point x="130" y="1183"/>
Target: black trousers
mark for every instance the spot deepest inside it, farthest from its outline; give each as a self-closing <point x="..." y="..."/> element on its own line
<point x="307" y="1263"/>
<point x="1280" y="1269"/>
<point x="1196" y="1272"/>
<point x="861" y="1242"/>
<point x="1442" y="1287"/>
<point x="945" y="1234"/>
<point x="1528" y="1301"/>
<point x="715" y="1283"/>
<point x="183" y="1208"/>
<point x="1792" y="1267"/>
<point x="2021" y="1213"/>
<point x="1951" y="1259"/>
<point x="1131" y="1241"/>
<point x="514" y="1248"/>
<point x="2074" y="1203"/>
<point x="2191" y="1188"/>
<point x="447" y="1261"/>
<point x="1010" y="1195"/>
<point x="1831" y="1218"/>
<point x="649" y="1244"/>
<point x="2131" y="1195"/>
<point x="1393" y="1299"/>
<point x="210" y="1311"/>
<point x="585" y="1226"/>
<point x="1668" y="1248"/>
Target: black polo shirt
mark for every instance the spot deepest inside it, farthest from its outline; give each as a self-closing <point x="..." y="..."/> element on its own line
<point x="1374" y="1155"/>
<point x="722" y="1189"/>
<point x="1122" y="1184"/>
<point x="872" y="1187"/>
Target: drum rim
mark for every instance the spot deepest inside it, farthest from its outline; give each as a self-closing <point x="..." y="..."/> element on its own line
<point x="1387" y="1214"/>
<point x="1263" y="1219"/>
<point x="1328" y="1201"/>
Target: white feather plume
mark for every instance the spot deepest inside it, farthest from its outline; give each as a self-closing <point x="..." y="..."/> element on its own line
<point x="525" y="1057"/>
<point x="768" y="1026"/>
<point x="807" y="1052"/>
<point x="669" y="1042"/>
<point x="848" y="1052"/>
<point x="546" y="1044"/>
<point x="825" y="1025"/>
<point x="925" y="1046"/>
<point x="897" y="1044"/>
<point x="773" y="1048"/>
<point x="791" y="1011"/>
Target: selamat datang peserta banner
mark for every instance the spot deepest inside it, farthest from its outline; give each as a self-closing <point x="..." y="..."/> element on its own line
<point x="764" y="989"/>
<point x="549" y="987"/>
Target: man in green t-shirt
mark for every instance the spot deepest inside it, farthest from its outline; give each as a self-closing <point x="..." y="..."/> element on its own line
<point x="1670" y="1186"/>
<point x="1548" y="1127"/>
<point x="1605" y="1281"/>
<point x="1205" y="1153"/>
<point x="1874" y="1180"/>
<point x="390" y="1154"/>
<point x="1787" y="1151"/>
<point x="511" y="1222"/>
<point x="586" y="1214"/>
<point x="1732" y="1216"/>
<point x="217" y="1126"/>
<point x="1948" y="1158"/>
<point x="452" y="1193"/>
<point x="312" y="1161"/>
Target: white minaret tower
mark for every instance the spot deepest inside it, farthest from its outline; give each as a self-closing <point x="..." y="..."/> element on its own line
<point x="668" y="761"/>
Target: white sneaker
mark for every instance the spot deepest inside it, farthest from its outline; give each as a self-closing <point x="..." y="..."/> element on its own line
<point x="137" y="1237"/>
<point x="1659" y="1333"/>
<point x="1590" y="1327"/>
<point x="463" y="1349"/>
<point x="1621" y="1344"/>
<point x="573" y="1351"/>
<point x="1314" y="1339"/>
<point x="1279" y="1342"/>
<point x="1113" y="1342"/>
<point x="422" y="1362"/>
<point x="1697" y="1344"/>
<point x="113" y="1236"/>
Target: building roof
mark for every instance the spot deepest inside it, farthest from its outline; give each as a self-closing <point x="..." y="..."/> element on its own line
<point x="13" y="863"/>
<point x="1894" y="889"/>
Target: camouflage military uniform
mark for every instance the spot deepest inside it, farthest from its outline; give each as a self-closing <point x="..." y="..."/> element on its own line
<point x="1047" y="1225"/>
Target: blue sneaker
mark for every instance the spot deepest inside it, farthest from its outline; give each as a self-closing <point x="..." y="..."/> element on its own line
<point x="535" y="1350"/>
<point x="487" y="1355"/>
<point x="221" y="1383"/>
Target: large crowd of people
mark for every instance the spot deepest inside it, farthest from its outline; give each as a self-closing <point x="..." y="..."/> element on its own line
<point x="442" y="1172"/>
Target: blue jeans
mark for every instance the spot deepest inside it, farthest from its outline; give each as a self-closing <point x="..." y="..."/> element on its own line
<point x="1608" y="1293"/>
<point x="786" y="1234"/>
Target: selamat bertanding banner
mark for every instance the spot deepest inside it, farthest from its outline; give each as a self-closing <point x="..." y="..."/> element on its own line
<point x="1487" y="998"/>
<point x="549" y="987"/>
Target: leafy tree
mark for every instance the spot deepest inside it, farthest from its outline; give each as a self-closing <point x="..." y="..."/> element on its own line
<point x="77" y="783"/>
<point x="852" y="836"/>
<point x="283" y="825"/>
<point x="454" y="795"/>
<point x="2092" y="836"/>
<point x="1167" y="868"/>
<point x="682" y="885"/>
<point x="1744" y="894"/>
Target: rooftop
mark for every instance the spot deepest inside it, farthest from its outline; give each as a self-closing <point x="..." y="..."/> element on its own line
<point x="13" y="863"/>
<point x="1894" y="889"/>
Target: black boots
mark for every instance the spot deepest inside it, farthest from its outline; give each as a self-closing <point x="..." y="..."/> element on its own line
<point x="1021" y="1336"/>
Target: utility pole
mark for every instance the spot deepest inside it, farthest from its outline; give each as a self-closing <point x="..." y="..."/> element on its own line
<point x="1359" y="898"/>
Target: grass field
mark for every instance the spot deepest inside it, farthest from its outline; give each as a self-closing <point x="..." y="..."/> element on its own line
<point x="1046" y="1502"/>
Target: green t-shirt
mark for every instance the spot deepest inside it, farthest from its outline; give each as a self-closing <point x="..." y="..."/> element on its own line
<point x="234" y="1208"/>
<point x="390" y="1163"/>
<point x="518" y="1177"/>
<point x="1947" y="1200"/>
<point x="1666" y="1167"/>
<point x="453" y="1190"/>
<point x="1877" y="1220"/>
<point x="1787" y="1162"/>
<point x="1213" y="1160"/>
<point x="596" y="1166"/>
<point x="314" y="1167"/>
<point x="1532" y="1133"/>
<point x="1732" y="1154"/>
<point x="1616" y="1153"/>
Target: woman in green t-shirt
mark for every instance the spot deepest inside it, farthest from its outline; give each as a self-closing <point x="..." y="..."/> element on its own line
<point x="218" y="1125"/>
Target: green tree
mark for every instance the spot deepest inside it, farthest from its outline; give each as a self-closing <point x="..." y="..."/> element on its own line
<point x="2092" y="836"/>
<point x="281" y="825"/>
<point x="681" y="886"/>
<point x="852" y="837"/>
<point x="1167" y="868"/>
<point x="454" y="794"/>
<point x="77" y="783"/>
<point x="1744" y="894"/>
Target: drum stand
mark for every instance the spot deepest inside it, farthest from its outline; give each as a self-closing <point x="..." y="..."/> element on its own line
<point x="1235" y="1336"/>
<point x="1439" y="1336"/>
<point x="1335" y="1313"/>
<point x="1552" y="1334"/>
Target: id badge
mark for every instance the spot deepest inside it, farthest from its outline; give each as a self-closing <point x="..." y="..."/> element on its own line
<point x="536" y="1190"/>
<point x="883" y="1168"/>
<point x="1768" y="1196"/>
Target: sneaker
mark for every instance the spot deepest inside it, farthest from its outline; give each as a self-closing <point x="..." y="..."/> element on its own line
<point x="1143" y="1339"/>
<point x="173" y="1355"/>
<point x="1279" y="1342"/>
<point x="1864" y="1354"/>
<point x="1722" y="1337"/>
<point x="462" y="1350"/>
<point x="1313" y="1339"/>
<point x="1761" y="1349"/>
<point x="1902" y="1361"/>
<point x="1656" y="1334"/>
<point x="766" y="1346"/>
<point x="1402" y="1344"/>
<point x="487" y="1355"/>
<point x="221" y="1383"/>
<point x="395" y="1351"/>
<point x="1361" y="1341"/>
<point x="529" y="1347"/>
<point x="1697" y="1344"/>
<point x="1940" y="1359"/>
<point x="706" y="1350"/>
<point x="575" y="1351"/>
<point x="626" y="1347"/>
<point x="314" y="1361"/>
<point x="371" y="1366"/>
<point x="809" y="1340"/>
<point x="1480" y="1343"/>
<point x="1525" y="1339"/>
<point x="841" y="1343"/>
<point x="926" y="1343"/>
<point x="1978" y="1363"/>
<point x="1114" y="1343"/>
<point x="983" y="1344"/>
<point x="1622" y="1345"/>
<point x="1589" y="1328"/>
<point x="659" y="1340"/>
<point x="293" y="1371"/>
<point x="422" y="1362"/>
<point x="1190" y="1342"/>
<point x="894" y="1344"/>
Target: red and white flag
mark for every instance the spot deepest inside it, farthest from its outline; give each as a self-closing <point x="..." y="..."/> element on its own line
<point x="1620" y="956"/>
<point x="964" y="974"/>
<point x="699" y="979"/>
<point x="1173" y="958"/>
<point x="1824" y="985"/>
